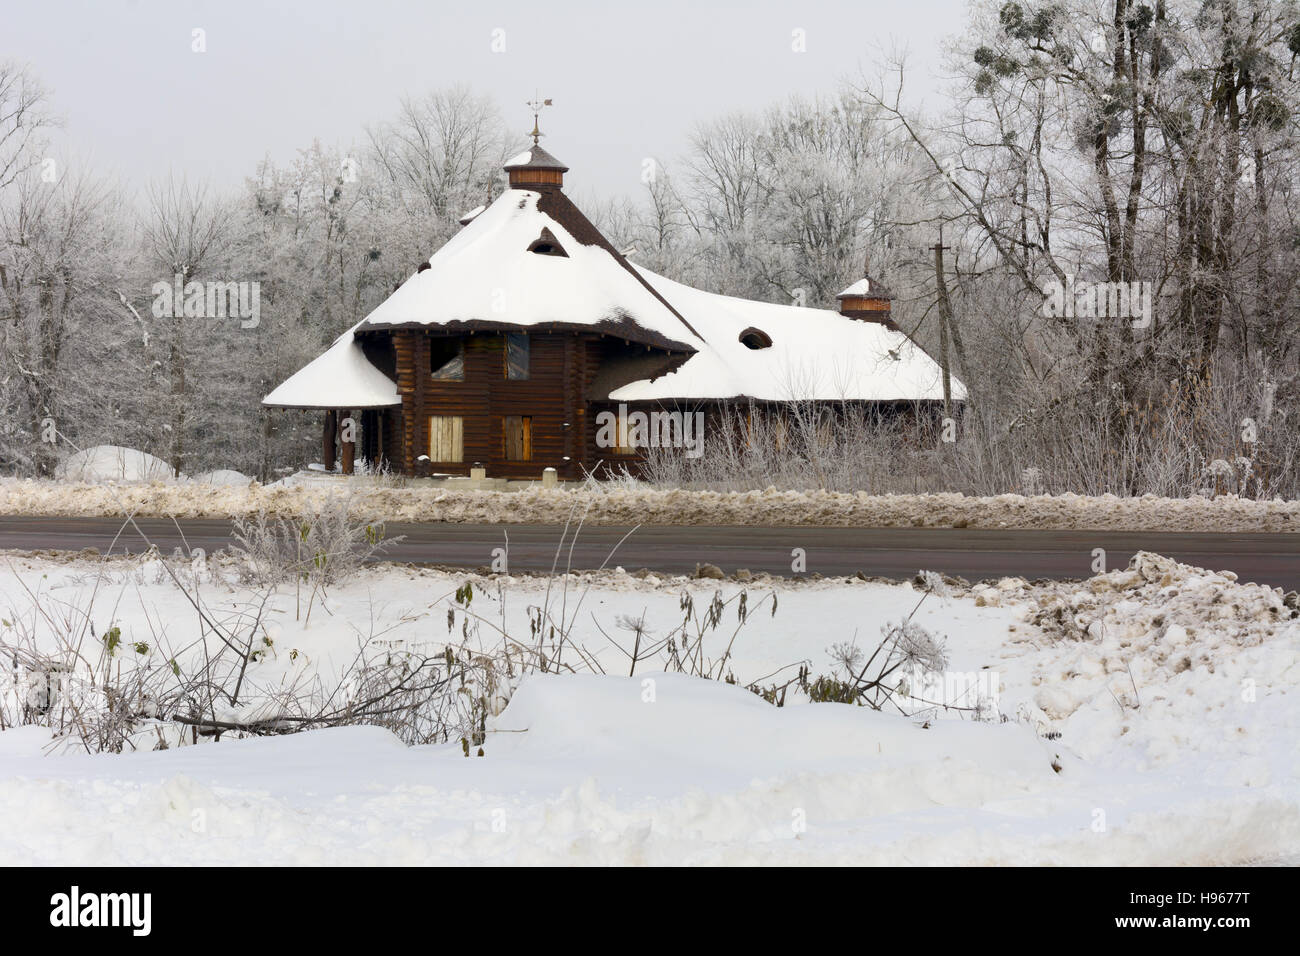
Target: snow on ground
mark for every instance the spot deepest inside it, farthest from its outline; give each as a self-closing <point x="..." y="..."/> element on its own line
<point x="1152" y="716"/>
<point x="621" y="503"/>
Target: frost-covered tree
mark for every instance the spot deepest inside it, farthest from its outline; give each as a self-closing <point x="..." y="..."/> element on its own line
<point x="782" y="205"/>
<point x="60" y="239"/>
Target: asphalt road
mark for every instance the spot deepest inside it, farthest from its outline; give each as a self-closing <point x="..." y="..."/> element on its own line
<point x="1272" y="559"/>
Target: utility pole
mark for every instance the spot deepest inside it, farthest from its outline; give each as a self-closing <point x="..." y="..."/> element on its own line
<point x="945" y="318"/>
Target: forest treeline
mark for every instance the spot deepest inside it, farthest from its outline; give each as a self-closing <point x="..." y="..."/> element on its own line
<point x="1077" y="145"/>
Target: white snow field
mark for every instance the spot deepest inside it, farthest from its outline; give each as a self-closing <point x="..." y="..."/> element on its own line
<point x="1152" y="716"/>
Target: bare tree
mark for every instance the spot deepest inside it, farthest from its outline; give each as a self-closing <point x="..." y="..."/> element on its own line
<point x="23" y="121"/>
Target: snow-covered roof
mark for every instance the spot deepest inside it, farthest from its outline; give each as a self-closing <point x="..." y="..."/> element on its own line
<point x="815" y="354"/>
<point x="486" y="276"/>
<point x="534" y="157"/>
<point x="866" y="288"/>
<point x="531" y="260"/>
<point x="340" y="377"/>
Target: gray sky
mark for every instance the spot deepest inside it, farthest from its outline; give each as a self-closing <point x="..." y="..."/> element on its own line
<point x="629" y="80"/>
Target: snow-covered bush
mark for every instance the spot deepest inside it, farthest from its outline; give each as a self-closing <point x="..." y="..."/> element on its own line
<point x="325" y="544"/>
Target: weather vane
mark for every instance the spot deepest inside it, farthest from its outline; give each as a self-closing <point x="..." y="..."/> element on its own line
<point x="536" y="105"/>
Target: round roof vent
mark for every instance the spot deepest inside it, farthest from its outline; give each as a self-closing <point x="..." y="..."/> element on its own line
<point x="755" y="339"/>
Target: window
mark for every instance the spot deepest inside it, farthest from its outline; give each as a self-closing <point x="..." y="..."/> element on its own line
<point x="446" y="438"/>
<point x="447" y="360"/>
<point x="518" y="433"/>
<point x="517" y="355"/>
<point x="755" y="339"/>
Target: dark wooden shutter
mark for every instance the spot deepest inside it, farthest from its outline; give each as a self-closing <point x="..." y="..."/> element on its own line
<point x="518" y="434"/>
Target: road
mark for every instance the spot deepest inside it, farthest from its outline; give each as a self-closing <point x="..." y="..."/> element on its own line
<point x="1271" y="559"/>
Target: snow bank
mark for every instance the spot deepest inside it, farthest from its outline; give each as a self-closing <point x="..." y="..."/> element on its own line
<point x="1177" y="663"/>
<point x="224" y="478"/>
<point x="707" y="729"/>
<point x="587" y="771"/>
<point x="644" y="505"/>
<point x="112" y="463"/>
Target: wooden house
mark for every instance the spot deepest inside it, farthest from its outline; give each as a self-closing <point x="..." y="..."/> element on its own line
<point x="528" y="328"/>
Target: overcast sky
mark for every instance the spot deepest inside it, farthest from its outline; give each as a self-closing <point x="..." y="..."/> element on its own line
<point x="629" y="80"/>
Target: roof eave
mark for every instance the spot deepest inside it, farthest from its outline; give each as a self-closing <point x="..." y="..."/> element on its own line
<point x="625" y="329"/>
<point x="331" y="405"/>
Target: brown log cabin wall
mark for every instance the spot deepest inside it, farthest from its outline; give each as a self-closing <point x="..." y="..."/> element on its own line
<point x="391" y="419"/>
<point x="404" y="346"/>
<point x="563" y="368"/>
<point x="550" y="397"/>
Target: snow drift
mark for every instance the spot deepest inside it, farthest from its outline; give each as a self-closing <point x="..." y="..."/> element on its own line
<point x="112" y="463"/>
<point x="644" y="505"/>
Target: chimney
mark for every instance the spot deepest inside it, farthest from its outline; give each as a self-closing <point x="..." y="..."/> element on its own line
<point x="867" y="301"/>
<point x="534" y="168"/>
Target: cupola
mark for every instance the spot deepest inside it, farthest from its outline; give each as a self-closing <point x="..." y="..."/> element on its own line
<point x="535" y="167"/>
<point x="868" y="301"/>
